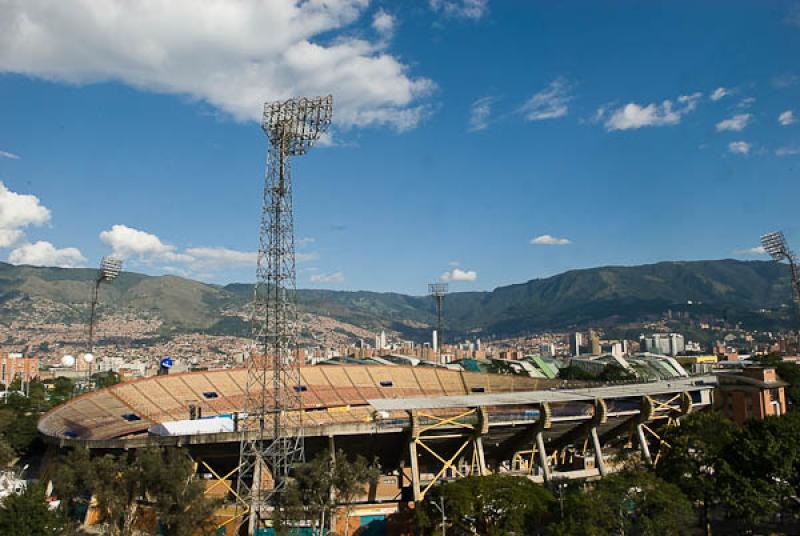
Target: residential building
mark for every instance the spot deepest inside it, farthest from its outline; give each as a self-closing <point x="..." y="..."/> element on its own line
<point x="752" y="393"/>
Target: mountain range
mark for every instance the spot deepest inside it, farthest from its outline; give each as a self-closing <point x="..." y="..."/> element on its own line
<point x="753" y="292"/>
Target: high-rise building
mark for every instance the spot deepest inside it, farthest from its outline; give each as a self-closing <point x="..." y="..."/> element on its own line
<point x="664" y="343"/>
<point x="547" y="349"/>
<point x="594" y="342"/>
<point x="575" y="343"/>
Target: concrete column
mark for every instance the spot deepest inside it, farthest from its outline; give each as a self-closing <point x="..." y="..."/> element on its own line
<point x="643" y="446"/>
<point x="412" y="453"/>
<point x="543" y="455"/>
<point x="481" y="457"/>
<point x="256" y="493"/>
<point x="598" y="452"/>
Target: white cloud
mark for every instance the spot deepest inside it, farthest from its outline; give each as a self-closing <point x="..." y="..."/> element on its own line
<point x="747" y="102"/>
<point x="454" y="263"/>
<point x="739" y="147"/>
<point x="18" y="211"/>
<point x="786" y="118"/>
<point x="384" y="24"/>
<point x="336" y="277"/>
<point x="468" y="9"/>
<point x="550" y="103"/>
<point x="306" y="257"/>
<point x="479" y="113"/>
<point x="457" y="274"/>
<point x="788" y="151"/>
<point x="737" y="123"/>
<point x="232" y="55"/>
<point x="221" y="257"/>
<point x="719" y="93"/>
<point x="302" y="242"/>
<point x="633" y="116"/>
<point x="127" y="242"/>
<point x="6" y="154"/>
<point x="548" y="240"/>
<point x="754" y="251"/>
<point x="45" y="254"/>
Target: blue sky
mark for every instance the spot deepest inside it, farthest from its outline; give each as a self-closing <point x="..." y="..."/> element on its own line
<point x="464" y="130"/>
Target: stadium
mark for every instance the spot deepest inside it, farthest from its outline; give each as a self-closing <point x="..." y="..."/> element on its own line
<point x="423" y="424"/>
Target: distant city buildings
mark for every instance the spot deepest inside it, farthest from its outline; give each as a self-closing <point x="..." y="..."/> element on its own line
<point x="664" y="343"/>
<point x="575" y="343"/>
<point x="13" y="365"/>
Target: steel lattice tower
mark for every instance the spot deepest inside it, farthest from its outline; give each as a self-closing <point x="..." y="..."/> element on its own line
<point x="272" y="428"/>
<point x="775" y="246"/>
<point x="438" y="291"/>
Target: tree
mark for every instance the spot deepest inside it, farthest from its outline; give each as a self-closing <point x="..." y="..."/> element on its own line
<point x="28" y="513"/>
<point x="488" y="505"/>
<point x="632" y="502"/>
<point x="309" y="495"/>
<point x="162" y="476"/>
<point x="696" y="457"/>
<point x="319" y="485"/>
<point x="350" y="478"/>
<point x="790" y="373"/>
<point x="179" y="500"/>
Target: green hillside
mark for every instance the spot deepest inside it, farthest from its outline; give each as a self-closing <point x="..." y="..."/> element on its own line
<point x="734" y="289"/>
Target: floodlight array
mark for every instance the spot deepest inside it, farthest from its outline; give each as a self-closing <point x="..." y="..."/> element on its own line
<point x="296" y="124"/>
<point x="437" y="289"/>
<point x="110" y="268"/>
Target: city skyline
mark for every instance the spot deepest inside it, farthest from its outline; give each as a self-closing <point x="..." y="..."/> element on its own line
<point x="668" y="133"/>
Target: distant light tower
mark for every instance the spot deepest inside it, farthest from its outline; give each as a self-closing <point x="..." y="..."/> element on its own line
<point x="110" y="268"/>
<point x="272" y="439"/>
<point x="775" y="245"/>
<point x="438" y="291"/>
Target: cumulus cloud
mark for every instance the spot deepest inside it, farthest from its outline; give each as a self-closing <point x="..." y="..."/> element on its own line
<point x="788" y="151"/>
<point x="719" y="93"/>
<point x="739" y="147"/>
<point x="737" y="123"/>
<point x="141" y="246"/>
<point x="232" y="55"/>
<point x="549" y="240"/>
<point x="18" y="211"/>
<point x="128" y="242"/>
<point x="634" y="116"/>
<point x="468" y="9"/>
<point x="6" y="154"/>
<point x="457" y="274"/>
<point x="754" y="251"/>
<point x="384" y="24"/>
<point x="550" y="103"/>
<point x="479" y="113"/>
<point x="46" y="254"/>
<point x="786" y="118"/>
<point x="335" y="277"/>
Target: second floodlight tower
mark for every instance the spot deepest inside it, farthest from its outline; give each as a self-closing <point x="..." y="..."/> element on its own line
<point x="438" y="291"/>
<point x="272" y="440"/>
<point x="776" y="247"/>
<point x="110" y="268"/>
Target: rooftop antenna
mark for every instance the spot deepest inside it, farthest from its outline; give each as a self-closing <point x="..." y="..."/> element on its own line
<point x="110" y="268"/>
<point x="776" y="247"/>
<point x="272" y="437"/>
<point x="438" y="291"/>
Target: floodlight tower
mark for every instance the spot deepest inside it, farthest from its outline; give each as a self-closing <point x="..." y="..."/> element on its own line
<point x="272" y="437"/>
<point x="775" y="245"/>
<point x="438" y="291"/>
<point x="110" y="268"/>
